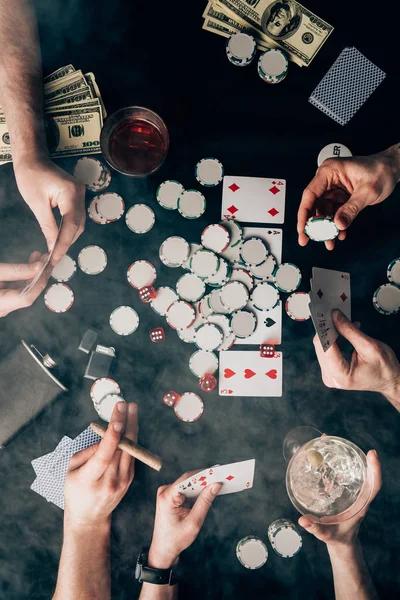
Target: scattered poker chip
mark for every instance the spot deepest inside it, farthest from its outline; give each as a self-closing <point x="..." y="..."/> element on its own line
<point x="232" y="254"/>
<point x="251" y="552"/>
<point x="234" y="295"/>
<point x="102" y="387"/>
<point x="180" y="315"/>
<point x="140" y="218"/>
<point x="253" y="251"/>
<point x="208" y="337"/>
<point x="64" y="270"/>
<point x="209" y="172"/>
<point x="386" y="299"/>
<point x="204" y="306"/>
<point x="241" y="49"/>
<point x="174" y="251"/>
<point x="193" y="249"/>
<point x="393" y="271"/>
<point x="202" y="362"/>
<point x="106" y="406"/>
<point x="222" y="321"/>
<point x="216" y="238"/>
<point x="235" y="232"/>
<point x="190" y="287"/>
<point x="168" y="194"/>
<point x="296" y="306"/>
<point x="204" y="264"/>
<point x="222" y="276"/>
<point x="285" y="538"/>
<point x="94" y="214"/>
<point x="124" y="320"/>
<point x="215" y="305"/>
<point x="92" y="260"/>
<point x="265" y="270"/>
<point x="333" y="151"/>
<point x="228" y="342"/>
<point x="110" y="206"/>
<point x="273" y="66"/>
<point x="265" y="296"/>
<point x="93" y="173"/>
<point x="191" y="204"/>
<point x="243" y="323"/>
<point x="242" y="275"/>
<point x="321" y="229"/>
<point x="165" y="297"/>
<point x="189" y="407"/>
<point x="141" y="274"/>
<point x="187" y="335"/>
<point x="59" y="298"/>
<point x="287" y="277"/>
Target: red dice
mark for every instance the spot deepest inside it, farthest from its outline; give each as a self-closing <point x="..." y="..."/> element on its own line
<point x="171" y="398"/>
<point x="207" y="383"/>
<point x="157" y="335"/>
<point x="267" y="350"/>
<point x="147" y="294"/>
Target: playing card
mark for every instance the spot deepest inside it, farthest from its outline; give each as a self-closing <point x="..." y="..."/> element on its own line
<point x="272" y="237"/>
<point x="246" y="373"/>
<point x="235" y="477"/>
<point x="269" y="326"/>
<point x="253" y="199"/>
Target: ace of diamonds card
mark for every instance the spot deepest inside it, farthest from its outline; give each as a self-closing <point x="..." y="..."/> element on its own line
<point x="246" y="373"/>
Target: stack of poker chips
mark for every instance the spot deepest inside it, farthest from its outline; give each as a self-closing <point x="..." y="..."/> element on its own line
<point x="273" y="66"/>
<point x="241" y="49"/>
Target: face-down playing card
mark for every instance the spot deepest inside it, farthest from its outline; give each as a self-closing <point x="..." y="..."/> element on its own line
<point x="253" y="199"/>
<point x="235" y="477"/>
<point x="246" y="373"/>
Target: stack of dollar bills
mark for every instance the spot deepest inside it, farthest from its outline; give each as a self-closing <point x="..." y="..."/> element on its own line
<point x="283" y="24"/>
<point x="74" y="113"/>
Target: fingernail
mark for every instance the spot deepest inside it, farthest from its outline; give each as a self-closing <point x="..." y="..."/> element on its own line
<point x="338" y="314"/>
<point x="376" y="454"/>
<point x="118" y="427"/>
<point x="215" y="488"/>
<point x="122" y="406"/>
<point x="132" y="408"/>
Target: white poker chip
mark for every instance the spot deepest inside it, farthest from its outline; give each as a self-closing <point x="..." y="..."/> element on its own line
<point x="93" y="173"/>
<point x="393" y="271"/>
<point x="208" y="337"/>
<point x="232" y="254"/>
<point x="165" y="297"/>
<point x="209" y="172"/>
<point x="65" y="269"/>
<point x="234" y="295"/>
<point x="287" y="277"/>
<point x="222" y="276"/>
<point x="241" y="49"/>
<point x="216" y="238"/>
<point x="189" y="407"/>
<point x="265" y="296"/>
<point x="174" y="251"/>
<point x="141" y="274"/>
<point x="203" y="362"/>
<point x="110" y="206"/>
<point x="285" y="538"/>
<point x="265" y="270"/>
<point x="180" y="315"/>
<point x="191" y="204"/>
<point x="204" y="264"/>
<point x="296" y="306"/>
<point x="223" y="322"/>
<point x="124" y="320"/>
<point x="193" y="248"/>
<point x="253" y="251"/>
<point x="273" y="65"/>
<point x="168" y="194"/>
<point x="204" y="307"/>
<point x="333" y="151"/>
<point x="386" y="299"/>
<point x="140" y="218"/>
<point x="94" y="214"/>
<point x="243" y="323"/>
<point x="235" y="232"/>
<point x="215" y="305"/>
<point x="242" y="275"/>
<point x="59" y="298"/>
<point x="106" y="406"/>
<point x="92" y="260"/>
<point x="102" y="387"/>
<point x="187" y="335"/>
<point x="321" y="229"/>
<point x="251" y="552"/>
<point x="190" y="287"/>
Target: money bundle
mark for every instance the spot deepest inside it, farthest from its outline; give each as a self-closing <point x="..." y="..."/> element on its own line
<point x="74" y="113"/>
<point x="283" y="24"/>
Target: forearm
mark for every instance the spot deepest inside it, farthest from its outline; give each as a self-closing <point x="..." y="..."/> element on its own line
<point x="159" y="592"/>
<point x="84" y="570"/>
<point x="350" y="573"/>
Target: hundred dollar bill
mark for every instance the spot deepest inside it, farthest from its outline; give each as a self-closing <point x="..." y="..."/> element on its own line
<point x="92" y="83"/>
<point x="61" y="72"/>
<point x="93" y="103"/>
<point x="81" y="95"/>
<point x="214" y="12"/>
<point x="65" y="85"/>
<point x="62" y="81"/>
<point x="226" y="31"/>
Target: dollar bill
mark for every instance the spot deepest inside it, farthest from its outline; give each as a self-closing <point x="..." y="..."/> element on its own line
<point x="61" y="72"/>
<point x="226" y="31"/>
<point x="65" y="85"/>
<point x="80" y="96"/>
<point x="218" y="22"/>
<point x="92" y="83"/>
<point x="93" y="103"/>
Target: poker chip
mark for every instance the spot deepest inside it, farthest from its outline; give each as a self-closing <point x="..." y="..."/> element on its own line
<point x="205" y="308"/>
<point x="208" y="337"/>
<point x="189" y="407"/>
<point x="124" y="320"/>
<point x="273" y="66"/>
<point x="191" y="204"/>
<point x="193" y="249"/>
<point x="94" y="214"/>
<point x="222" y="321"/>
<point x="92" y="260"/>
<point x="253" y="251"/>
<point x="234" y="295"/>
<point x="265" y="270"/>
<point x="165" y="297"/>
<point x="174" y="251"/>
<point x="393" y="271"/>
<point x="110" y="206"/>
<point x="65" y="269"/>
<point x="140" y="218"/>
<point x="265" y="296"/>
<point x="227" y="342"/>
<point x="202" y="362"/>
<point x="241" y="49"/>
<point x="141" y="274"/>
<point x="102" y="387"/>
<point x="93" y="173"/>
<point x="190" y="287"/>
<point x="59" y="298"/>
<point x="180" y="315"/>
<point x="242" y="275"/>
<point x="209" y="172"/>
<point x="235" y="232"/>
<point x="386" y="299"/>
<point x="296" y="306"/>
<point x="251" y="552"/>
<point x="333" y="151"/>
<point x="321" y="229"/>
<point x="243" y="323"/>
<point x="287" y="277"/>
<point x="204" y="264"/>
<point x="222" y="276"/>
<point x="215" y="304"/>
<point x="106" y="406"/>
<point x="168" y="194"/>
<point x="285" y="538"/>
<point x="216" y="238"/>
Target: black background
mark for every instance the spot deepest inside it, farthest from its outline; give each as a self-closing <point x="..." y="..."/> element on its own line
<point x="156" y="55"/>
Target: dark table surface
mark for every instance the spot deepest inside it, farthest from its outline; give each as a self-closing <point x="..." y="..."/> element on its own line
<point x="156" y="55"/>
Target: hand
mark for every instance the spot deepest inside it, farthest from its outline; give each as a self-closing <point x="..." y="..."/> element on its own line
<point x="44" y="186"/>
<point x="345" y="533"/>
<point x="344" y="186"/>
<point x="14" y="277"/>
<point x="176" y="527"/>
<point x="99" y="476"/>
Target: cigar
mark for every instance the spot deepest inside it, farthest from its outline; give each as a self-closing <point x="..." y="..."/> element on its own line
<point x="125" y="444"/>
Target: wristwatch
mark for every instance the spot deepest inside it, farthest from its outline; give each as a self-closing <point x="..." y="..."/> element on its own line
<point x="146" y="574"/>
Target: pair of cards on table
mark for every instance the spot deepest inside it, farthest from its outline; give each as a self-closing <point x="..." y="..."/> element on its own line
<point x="234" y="477"/>
<point x="329" y="290"/>
<point x="253" y="199"/>
<point x="246" y="373"/>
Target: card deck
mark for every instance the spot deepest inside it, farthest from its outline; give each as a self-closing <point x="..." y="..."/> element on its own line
<point x="235" y="477"/>
<point x="253" y="199"/>
<point x="246" y="373"/>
